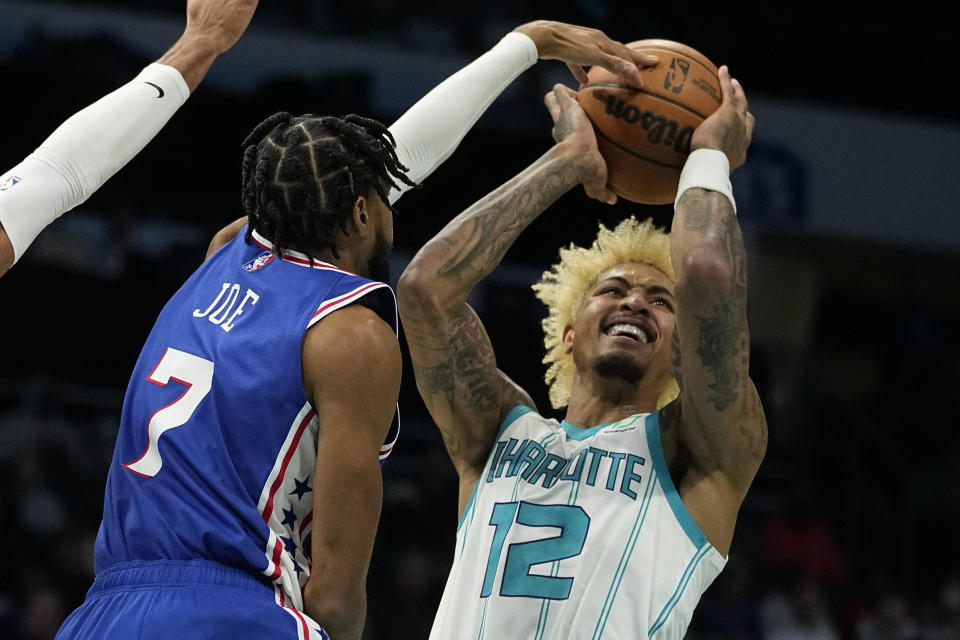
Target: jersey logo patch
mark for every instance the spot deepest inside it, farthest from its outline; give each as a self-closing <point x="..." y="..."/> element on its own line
<point x="630" y="424"/>
<point x="9" y="183"/>
<point x="261" y="260"/>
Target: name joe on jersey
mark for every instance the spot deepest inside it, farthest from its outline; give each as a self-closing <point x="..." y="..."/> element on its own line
<point x="612" y="470"/>
<point x="225" y="316"/>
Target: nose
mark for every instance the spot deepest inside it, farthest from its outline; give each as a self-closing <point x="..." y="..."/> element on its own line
<point x="635" y="302"/>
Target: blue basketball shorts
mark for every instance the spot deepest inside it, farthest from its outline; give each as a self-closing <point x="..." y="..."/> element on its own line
<point x="196" y="600"/>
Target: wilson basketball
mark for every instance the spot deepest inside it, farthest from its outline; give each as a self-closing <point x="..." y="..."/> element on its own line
<point x="644" y="132"/>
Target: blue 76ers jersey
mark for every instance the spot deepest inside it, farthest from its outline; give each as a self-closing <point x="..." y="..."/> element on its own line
<point x="217" y="444"/>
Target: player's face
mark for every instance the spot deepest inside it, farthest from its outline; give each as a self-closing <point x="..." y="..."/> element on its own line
<point x="625" y="325"/>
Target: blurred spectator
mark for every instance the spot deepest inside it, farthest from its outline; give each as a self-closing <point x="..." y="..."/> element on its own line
<point x="799" y="613"/>
<point x="890" y="619"/>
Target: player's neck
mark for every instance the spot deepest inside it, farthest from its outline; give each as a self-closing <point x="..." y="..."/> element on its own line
<point x="347" y="258"/>
<point x="594" y="402"/>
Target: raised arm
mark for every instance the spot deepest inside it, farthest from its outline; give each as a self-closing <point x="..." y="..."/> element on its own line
<point x="721" y="419"/>
<point x="93" y="144"/>
<point x="430" y="131"/>
<point x="351" y="370"/>
<point x="452" y="357"/>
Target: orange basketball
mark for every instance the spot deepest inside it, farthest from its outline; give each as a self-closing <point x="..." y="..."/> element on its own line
<point x="644" y="132"/>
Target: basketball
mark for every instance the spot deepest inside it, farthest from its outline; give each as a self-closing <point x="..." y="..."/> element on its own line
<point x="644" y="132"/>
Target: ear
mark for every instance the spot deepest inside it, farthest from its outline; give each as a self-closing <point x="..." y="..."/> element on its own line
<point x="567" y="339"/>
<point x="361" y="216"/>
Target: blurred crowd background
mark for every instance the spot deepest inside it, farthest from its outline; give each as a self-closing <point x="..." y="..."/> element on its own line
<point x="848" y="209"/>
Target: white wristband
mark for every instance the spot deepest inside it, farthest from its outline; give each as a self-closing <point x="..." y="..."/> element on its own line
<point x="706" y="169"/>
<point x="85" y="151"/>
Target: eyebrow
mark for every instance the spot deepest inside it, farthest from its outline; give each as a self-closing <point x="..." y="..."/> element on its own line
<point x="654" y="289"/>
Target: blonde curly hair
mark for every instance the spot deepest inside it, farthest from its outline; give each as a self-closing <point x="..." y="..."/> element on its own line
<point x="564" y="286"/>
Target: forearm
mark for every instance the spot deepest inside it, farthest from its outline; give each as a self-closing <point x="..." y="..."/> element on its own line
<point x="429" y="132"/>
<point x="85" y="151"/>
<point x="348" y="502"/>
<point x="213" y="26"/>
<point x="709" y="259"/>
<point x="472" y="245"/>
<point x="191" y="55"/>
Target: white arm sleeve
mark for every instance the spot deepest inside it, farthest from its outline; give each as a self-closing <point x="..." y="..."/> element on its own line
<point x="431" y="129"/>
<point x="84" y="151"/>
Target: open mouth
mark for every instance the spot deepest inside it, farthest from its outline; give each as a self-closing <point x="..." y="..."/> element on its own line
<point x="631" y="331"/>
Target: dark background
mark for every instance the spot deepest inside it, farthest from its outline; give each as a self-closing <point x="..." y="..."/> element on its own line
<point x="848" y="530"/>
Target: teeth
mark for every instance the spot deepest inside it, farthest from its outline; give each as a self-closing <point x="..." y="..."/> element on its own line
<point x="628" y="330"/>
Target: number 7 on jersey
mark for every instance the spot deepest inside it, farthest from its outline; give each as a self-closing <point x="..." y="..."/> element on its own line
<point x="187" y="369"/>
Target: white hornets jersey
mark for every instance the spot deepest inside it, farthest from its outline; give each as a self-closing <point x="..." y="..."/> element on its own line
<point x="575" y="534"/>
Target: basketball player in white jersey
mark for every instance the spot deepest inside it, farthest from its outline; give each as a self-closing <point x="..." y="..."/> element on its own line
<point x="612" y="523"/>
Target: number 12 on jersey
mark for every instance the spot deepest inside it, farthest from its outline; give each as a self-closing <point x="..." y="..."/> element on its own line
<point x="573" y="523"/>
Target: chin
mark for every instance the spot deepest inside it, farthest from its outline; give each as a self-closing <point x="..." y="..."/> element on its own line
<point x="619" y="366"/>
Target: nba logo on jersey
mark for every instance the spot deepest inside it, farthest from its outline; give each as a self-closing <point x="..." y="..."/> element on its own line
<point x="260" y="261"/>
<point x="9" y="183"/>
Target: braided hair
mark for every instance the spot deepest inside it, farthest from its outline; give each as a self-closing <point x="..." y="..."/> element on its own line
<point x="302" y="175"/>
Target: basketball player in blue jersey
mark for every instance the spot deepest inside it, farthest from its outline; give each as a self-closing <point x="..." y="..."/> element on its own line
<point x="611" y="523"/>
<point x="244" y="491"/>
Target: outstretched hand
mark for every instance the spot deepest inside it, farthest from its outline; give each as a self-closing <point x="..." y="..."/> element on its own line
<point x="572" y="127"/>
<point x="579" y="46"/>
<point x="220" y="22"/>
<point x="730" y="127"/>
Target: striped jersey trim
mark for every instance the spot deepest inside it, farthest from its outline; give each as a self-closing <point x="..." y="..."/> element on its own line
<point x="303" y="631"/>
<point x="274" y="550"/>
<point x="331" y="305"/>
<point x="275" y="479"/>
<point x="296" y="257"/>
<point x="387" y="447"/>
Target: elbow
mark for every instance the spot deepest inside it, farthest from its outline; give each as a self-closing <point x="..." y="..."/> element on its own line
<point x="341" y="613"/>
<point x="705" y="273"/>
<point x="417" y="290"/>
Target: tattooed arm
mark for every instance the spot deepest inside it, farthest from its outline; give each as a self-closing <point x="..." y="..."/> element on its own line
<point x="453" y="359"/>
<point x="720" y="418"/>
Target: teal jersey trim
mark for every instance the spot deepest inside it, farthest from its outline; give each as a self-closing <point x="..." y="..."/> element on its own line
<point x="678" y="592"/>
<point x="510" y="418"/>
<point x="577" y="433"/>
<point x="663" y="473"/>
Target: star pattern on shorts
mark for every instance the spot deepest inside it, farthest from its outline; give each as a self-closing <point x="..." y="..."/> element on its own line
<point x="301" y="488"/>
<point x="289" y="518"/>
<point x="289" y="545"/>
